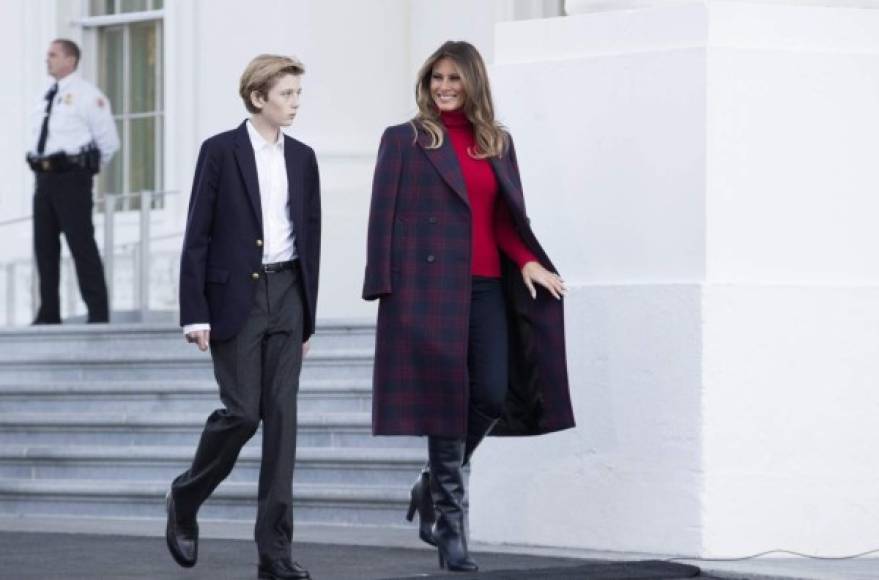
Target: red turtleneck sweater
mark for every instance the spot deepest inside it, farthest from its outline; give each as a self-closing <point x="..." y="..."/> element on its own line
<point x="492" y="223"/>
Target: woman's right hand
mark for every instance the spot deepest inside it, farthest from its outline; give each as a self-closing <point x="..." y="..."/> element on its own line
<point x="533" y="273"/>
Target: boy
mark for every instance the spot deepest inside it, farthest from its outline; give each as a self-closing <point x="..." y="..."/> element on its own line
<point x="248" y="290"/>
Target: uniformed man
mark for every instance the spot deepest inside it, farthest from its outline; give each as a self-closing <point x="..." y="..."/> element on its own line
<point x="74" y="136"/>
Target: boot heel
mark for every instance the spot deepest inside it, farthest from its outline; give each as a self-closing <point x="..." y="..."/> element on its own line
<point x="410" y="515"/>
<point x="442" y="561"/>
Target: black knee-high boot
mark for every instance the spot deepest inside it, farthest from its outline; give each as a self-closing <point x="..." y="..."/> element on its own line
<point x="447" y="489"/>
<point x="420" y="500"/>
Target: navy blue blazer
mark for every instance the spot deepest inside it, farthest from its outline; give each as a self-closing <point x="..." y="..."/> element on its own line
<point x="222" y="246"/>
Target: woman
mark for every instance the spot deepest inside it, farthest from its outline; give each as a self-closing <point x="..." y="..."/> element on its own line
<point x="470" y="333"/>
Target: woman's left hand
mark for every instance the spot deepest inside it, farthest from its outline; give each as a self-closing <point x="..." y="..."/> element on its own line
<point x="533" y="272"/>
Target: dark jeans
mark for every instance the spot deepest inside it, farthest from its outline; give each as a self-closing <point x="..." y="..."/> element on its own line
<point x="258" y="375"/>
<point x="63" y="204"/>
<point x="487" y="350"/>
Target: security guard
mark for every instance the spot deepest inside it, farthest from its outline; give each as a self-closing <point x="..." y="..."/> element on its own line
<point x="74" y="136"/>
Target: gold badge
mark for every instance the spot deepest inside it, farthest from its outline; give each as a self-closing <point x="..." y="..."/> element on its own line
<point x="68" y="98"/>
<point x="45" y="163"/>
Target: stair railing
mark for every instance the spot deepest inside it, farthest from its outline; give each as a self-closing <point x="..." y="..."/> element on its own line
<point x="106" y="205"/>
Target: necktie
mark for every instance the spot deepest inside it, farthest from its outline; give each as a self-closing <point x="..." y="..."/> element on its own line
<point x="44" y="130"/>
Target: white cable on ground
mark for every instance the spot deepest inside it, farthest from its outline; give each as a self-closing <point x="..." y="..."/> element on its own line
<point x="776" y="551"/>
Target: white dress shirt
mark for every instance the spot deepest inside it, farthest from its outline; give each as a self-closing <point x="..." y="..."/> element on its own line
<point x="271" y="170"/>
<point x="80" y="114"/>
<point x="279" y="241"/>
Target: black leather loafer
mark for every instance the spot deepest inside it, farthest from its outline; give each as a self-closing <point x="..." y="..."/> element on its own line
<point x="281" y="569"/>
<point x="182" y="537"/>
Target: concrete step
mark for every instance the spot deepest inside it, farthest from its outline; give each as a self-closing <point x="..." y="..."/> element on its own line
<point x="183" y="364"/>
<point x="156" y="338"/>
<point x="315" y="429"/>
<point x="328" y="466"/>
<point x="151" y="397"/>
<point x="363" y="505"/>
<point x="95" y="421"/>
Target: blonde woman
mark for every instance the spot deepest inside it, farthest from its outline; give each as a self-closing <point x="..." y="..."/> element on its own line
<point x="470" y="334"/>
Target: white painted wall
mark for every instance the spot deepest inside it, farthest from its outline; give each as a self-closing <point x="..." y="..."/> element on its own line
<point x="723" y="377"/>
<point x="791" y="348"/>
<point x="790" y="406"/>
<point x="609" y="120"/>
<point x="594" y="135"/>
<point x="628" y="478"/>
<point x="25" y="31"/>
<point x="793" y="135"/>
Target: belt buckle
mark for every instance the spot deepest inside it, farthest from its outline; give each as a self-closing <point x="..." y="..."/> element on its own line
<point x="45" y="164"/>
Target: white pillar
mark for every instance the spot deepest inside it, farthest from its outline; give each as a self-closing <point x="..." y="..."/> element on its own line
<point x="703" y="174"/>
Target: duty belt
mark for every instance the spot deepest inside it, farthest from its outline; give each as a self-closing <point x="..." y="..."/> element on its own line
<point x="89" y="159"/>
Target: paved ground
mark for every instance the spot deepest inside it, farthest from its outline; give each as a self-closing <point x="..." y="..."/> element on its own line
<point x="334" y="552"/>
<point x="44" y="556"/>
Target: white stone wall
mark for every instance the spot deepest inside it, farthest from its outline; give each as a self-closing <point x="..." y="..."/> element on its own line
<point x="611" y="142"/>
<point x="628" y="478"/>
<point x="791" y="350"/>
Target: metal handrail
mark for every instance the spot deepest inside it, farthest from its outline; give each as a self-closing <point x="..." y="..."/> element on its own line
<point x="141" y="279"/>
<point x="116" y="196"/>
<point x="127" y="245"/>
<point x="12" y="221"/>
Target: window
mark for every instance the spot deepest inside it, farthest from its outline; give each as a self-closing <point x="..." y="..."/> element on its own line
<point x="106" y="7"/>
<point x="130" y="74"/>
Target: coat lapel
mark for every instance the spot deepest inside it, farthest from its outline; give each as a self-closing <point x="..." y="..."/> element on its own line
<point x="295" y="189"/>
<point x="500" y="171"/>
<point x="507" y="185"/>
<point x="446" y="163"/>
<point x="247" y="164"/>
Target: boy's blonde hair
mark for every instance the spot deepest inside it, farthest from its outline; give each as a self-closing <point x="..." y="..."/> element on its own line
<point x="262" y="73"/>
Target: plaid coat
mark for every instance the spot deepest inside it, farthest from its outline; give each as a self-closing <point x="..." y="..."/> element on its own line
<point x="418" y="267"/>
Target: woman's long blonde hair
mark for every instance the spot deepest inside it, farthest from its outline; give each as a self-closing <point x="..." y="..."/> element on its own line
<point x="491" y="138"/>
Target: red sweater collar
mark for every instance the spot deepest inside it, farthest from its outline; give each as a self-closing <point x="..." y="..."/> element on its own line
<point x="455" y="119"/>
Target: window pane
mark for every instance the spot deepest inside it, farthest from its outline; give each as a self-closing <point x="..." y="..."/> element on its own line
<point x="142" y="68"/>
<point x="110" y="74"/>
<point x="101" y="7"/>
<point x="142" y="156"/>
<point x="158" y="4"/>
<point x="132" y="5"/>
<point x="110" y="179"/>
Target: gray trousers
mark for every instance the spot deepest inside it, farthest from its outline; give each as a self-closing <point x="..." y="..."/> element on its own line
<point x="258" y="376"/>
